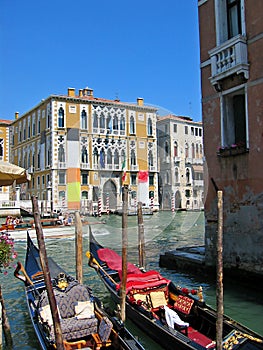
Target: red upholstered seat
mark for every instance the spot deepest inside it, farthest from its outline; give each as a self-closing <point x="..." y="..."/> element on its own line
<point x="183" y="304"/>
<point x="200" y="338"/>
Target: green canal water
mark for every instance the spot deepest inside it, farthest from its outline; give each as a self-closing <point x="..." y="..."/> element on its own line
<point x="163" y="231"/>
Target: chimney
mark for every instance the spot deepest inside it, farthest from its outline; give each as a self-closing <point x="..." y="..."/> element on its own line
<point x="80" y="92"/>
<point x="71" y="92"/>
<point x="140" y="101"/>
<point x="87" y="92"/>
<point x="16" y="115"/>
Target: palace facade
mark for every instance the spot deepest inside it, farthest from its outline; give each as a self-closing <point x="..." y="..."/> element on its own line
<point x="180" y="154"/>
<point x="81" y="150"/>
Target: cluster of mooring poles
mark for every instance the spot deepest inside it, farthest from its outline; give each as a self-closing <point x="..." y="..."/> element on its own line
<point x="79" y="267"/>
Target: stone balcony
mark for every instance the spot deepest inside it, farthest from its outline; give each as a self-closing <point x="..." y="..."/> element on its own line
<point x="229" y="58"/>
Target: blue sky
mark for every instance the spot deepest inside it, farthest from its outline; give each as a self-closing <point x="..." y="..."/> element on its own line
<point x="124" y="49"/>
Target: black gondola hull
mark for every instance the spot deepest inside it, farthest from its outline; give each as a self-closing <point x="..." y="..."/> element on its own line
<point x="122" y="338"/>
<point x="165" y="336"/>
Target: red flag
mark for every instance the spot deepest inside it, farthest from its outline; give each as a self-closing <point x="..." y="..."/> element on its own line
<point x="143" y="176"/>
<point x="123" y="178"/>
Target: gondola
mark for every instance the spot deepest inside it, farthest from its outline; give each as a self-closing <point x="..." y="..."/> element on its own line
<point x="84" y="321"/>
<point x="174" y="317"/>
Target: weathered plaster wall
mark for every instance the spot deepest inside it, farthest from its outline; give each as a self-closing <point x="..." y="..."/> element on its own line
<point x="242" y="232"/>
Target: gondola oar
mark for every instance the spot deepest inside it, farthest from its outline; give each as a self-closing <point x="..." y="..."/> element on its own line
<point x="93" y="260"/>
<point x="26" y="279"/>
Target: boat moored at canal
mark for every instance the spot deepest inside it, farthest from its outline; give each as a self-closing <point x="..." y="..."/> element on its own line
<point x="83" y="320"/>
<point x="174" y="317"/>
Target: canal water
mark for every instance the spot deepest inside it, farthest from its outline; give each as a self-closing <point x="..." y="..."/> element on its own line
<point x="163" y="231"/>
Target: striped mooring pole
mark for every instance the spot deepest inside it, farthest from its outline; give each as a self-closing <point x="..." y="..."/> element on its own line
<point x="99" y="206"/>
<point x="152" y="203"/>
<point x="107" y="204"/>
<point x="173" y="203"/>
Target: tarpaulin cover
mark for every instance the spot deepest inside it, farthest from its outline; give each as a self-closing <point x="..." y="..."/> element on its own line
<point x="114" y="261"/>
<point x="135" y="278"/>
<point x="149" y="280"/>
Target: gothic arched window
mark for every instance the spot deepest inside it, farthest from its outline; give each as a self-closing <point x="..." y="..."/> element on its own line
<point x="84" y="119"/>
<point x="132" y="125"/>
<point x="150" y="126"/>
<point x="61" y="121"/>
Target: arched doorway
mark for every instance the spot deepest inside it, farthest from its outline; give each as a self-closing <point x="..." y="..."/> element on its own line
<point x="178" y="200"/>
<point x="110" y="190"/>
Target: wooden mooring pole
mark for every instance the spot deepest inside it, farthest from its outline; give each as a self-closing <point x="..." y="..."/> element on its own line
<point x="124" y="250"/>
<point x="4" y="324"/>
<point x="219" y="289"/>
<point x="141" y="242"/>
<point x="47" y="277"/>
<point x="78" y="247"/>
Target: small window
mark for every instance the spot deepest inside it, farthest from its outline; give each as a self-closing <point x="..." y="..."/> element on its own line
<point x="234" y="120"/>
<point x="133" y="157"/>
<point x="84" y="178"/>
<point x="176" y="175"/>
<point x="102" y="121"/>
<point x="150" y="159"/>
<point x="187" y="176"/>
<point x="84" y="120"/>
<point x="1" y="148"/>
<point x="95" y="120"/>
<point x="61" y="178"/>
<point x="84" y="195"/>
<point x="115" y="123"/>
<point x="187" y="194"/>
<point x="133" y="179"/>
<point x="132" y="125"/>
<point x="186" y="130"/>
<point x="150" y="127"/>
<point x="175" y="127"/>
<point x="233" y="18"/>
<point x="166" y="149"/>
<point x="61" y="120"/>
<point x="151" y="179"/>
<point x="175" y="149"/>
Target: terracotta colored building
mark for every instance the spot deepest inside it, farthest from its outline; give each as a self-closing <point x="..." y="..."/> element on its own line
<point x="231" y="47"/>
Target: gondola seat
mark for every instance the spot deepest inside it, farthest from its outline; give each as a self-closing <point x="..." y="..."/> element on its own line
<point x="76" y="312"/>
<point x="183" y="306"/>
<point x="102" y="338"/>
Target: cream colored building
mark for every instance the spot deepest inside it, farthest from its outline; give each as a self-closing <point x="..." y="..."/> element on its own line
<point x="180" y="149"/>
<point x="4" y="155"/>
<point x="77" y="147"/>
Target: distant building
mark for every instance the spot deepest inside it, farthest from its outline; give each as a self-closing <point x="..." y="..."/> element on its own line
<point x="4" y="154"/>
<point x="231" y="45"/>
<point x="180" y="153"/>
<point x="81" y="149"/>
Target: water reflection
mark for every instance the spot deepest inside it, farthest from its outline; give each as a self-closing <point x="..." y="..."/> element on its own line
<point x="163" y="231"/>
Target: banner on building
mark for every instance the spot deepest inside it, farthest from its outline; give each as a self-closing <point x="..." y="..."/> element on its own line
<point x="143" y="187"/>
